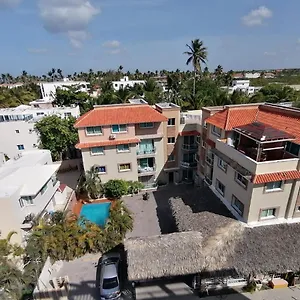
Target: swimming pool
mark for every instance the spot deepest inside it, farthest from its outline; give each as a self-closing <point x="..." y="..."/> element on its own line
<point x="97" y="213"/>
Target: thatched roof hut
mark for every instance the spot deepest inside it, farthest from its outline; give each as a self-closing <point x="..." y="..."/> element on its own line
<point x="164" y="255"/>
<point x="230" y="245"/>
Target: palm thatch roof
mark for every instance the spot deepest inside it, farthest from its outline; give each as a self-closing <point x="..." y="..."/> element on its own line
<point x="164" y="255"/>
<point x="229" y="245"/>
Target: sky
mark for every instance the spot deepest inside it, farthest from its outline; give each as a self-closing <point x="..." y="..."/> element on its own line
<point x="76" y="35"/>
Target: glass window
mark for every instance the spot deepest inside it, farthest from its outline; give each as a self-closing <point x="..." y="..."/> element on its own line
<point x="147" y="125"/>
<point x="20" y="147"/>
<point x="241" y="180"/>
<point x="68" y="114"/>
<point x="171" y="157"/>
<point x="21" y="202"/>
<point x="216" y="130"/>
<point x="268" y="213"/>
<point x="123" y="148"/>
<point x="171" y="140"/>
<point x="93" y="130"/>
<point x="27" y="200"/>
<point x="220" y="187"/>
<point x="119" y="128"/>
<point x="222" y="164"/>
<point x="292" y="148"/>
<point x="275" y="185"/>
<point x="44" y="188"/>
<point x="171" y="122"/>
<point x="124" y="167"/>
<point x="110" y="283"/>
<point x="17" y="131"/>
<point x="101" y="169"/>
<point x="237" y="205"/>
<point x="97" y="150"/>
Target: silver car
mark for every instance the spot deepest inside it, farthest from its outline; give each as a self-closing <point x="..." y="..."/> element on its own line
<point x="109" y="280"/>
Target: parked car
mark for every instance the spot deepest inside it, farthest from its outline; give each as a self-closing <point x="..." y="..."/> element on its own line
<point x="109" y="284"/>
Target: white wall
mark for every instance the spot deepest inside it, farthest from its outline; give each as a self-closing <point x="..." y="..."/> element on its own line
<point x="125" y="82"/>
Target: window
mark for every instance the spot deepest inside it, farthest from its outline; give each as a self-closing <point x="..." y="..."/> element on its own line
<point x="27" y="200"/>
<point x="292" y="148"/>
<point x="101" y="169"/>
<point x="204" y="125"/>
<point x="216" y="130"/>
<point x="274" y="186"/>
<point x="17" y="131"/>
<point x="123" y="148"/>
<point x="119" y="128"/>
<point x="171" y="122"/>
<point x="147" y="125"/>
<point x="110" y="283"/>
<point x="171" y="140"/>
<point x="237" y="205"/>
<point x="44" y="188"/>
<point x="268" y="213"/>
<point x="93" y="130"/>
<point x="241" y="180"/>
<point x="40" y="113"/>
<point x="203" y="144"/>
<point x="171" y="157"/>
<point x="21" y="202"/>
<point x="222" y="165"/>
<point x="68" y="114"/>
<point x="20" y="147"/>
<point x="97" y="150"/>
<point x="220" y="187"/>
<point x="124" y="167"/>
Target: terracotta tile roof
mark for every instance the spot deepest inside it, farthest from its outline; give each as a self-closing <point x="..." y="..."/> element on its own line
<point x="106" y="143"/>
<point x="269" y="177"/>
<point x="230" y="118"/>
<point x="127" y="114"/>
<point x="189" y="133"/>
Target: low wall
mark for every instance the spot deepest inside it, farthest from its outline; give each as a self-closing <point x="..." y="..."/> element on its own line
<point x="69" y="165"/>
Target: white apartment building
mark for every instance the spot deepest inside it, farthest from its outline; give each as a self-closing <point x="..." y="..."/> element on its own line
<point x="251" y="75"/>
<point x="125" y="82"/>
<point x="17" y="131"/>
<point x="28" y="188"/>
<point x="242" y="85"/>
<point x="48" y="89"/>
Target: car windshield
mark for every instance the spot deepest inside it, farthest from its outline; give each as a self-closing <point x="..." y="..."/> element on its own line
<point x="110" y="283"/>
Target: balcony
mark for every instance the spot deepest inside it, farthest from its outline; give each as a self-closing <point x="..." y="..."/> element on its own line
<point x="188" y="164"/>
<point x="190" y="147"/>
<point x="146" y="152"/>
<point x="146" y="171"/>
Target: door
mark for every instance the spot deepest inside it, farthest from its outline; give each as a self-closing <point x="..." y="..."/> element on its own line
<point x="171" y="177"/>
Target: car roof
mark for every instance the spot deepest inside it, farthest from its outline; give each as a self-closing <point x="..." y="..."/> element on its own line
<point x="109" y="270"/>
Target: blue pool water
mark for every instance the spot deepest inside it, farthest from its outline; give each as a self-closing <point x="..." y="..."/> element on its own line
<point x="97" y="213"/>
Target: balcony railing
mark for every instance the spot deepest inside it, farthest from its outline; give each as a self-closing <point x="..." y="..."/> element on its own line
<point x="146" y="152"/>
<point x="146" y="170"/>
<point x="189" y="147"/>
<point x="188" y="164"/>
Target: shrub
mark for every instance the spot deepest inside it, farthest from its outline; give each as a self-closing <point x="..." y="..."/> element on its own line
<point x="133" y="187"/>
<point x="115" y="188"/>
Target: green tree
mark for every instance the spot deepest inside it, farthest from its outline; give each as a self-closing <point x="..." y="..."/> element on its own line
<point x="115" y="188"/>
<point x="92" y="183"/>
<point x="123" y="95"/>
<point x="57" y="135"/>
<point x="152" y="92"/>
<point x="197" y="54"/>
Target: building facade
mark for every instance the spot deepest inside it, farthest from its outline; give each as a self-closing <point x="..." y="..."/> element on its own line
<point x="138" y="142"/>
<point x="249" y="156"/>
<point x="17" y="131"/>
<point x="125" y="83"/>
<point x="28" y="188"/>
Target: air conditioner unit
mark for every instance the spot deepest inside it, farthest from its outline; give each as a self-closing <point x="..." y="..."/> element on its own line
<point x="112" y="137"/>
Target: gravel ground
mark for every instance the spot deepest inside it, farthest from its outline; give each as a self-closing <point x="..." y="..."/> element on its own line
<point x="144" y="214"/>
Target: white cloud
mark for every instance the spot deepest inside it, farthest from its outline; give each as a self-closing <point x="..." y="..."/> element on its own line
<point x="112" y="44"/>
<point x="9" y="3"/>
<point x="70" y="17"/>
<point x="37" y="50"/>
<point x="257" y="16"/>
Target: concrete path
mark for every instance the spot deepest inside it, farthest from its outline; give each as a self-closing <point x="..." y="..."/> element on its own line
<point x="144" y="214"/>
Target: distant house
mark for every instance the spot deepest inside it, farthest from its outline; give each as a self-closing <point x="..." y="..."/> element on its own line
<point x="125" y="82"/>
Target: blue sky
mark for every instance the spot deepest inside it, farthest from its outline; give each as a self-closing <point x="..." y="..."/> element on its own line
<point x="76" y="35"/>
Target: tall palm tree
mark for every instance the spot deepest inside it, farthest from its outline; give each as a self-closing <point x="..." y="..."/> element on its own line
<point x="92" y="184"/>
<point x="197" y="54"/>
<point x="59" y="71"/>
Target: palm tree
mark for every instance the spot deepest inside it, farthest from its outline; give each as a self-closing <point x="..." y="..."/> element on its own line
<point x="120" y="69"/>
<point x="124" y="94"/>
<point x="59" y="71"/>
<point x="92" y="184"/>
<point x="197" y="54"/>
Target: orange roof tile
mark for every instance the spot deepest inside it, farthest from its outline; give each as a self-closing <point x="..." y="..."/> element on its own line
<point x="106" y="143"/>
<point x="232" y="117"/>
<point x="270" y="177"/>
<point x="189" y="133"/>
<point x="127" y="114"/>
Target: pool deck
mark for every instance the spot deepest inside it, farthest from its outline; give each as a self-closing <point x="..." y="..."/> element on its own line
<point x="81" y="201"/>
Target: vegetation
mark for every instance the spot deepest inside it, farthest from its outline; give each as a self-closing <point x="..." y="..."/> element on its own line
<point x="58" y="135"/>
<point x="92" y="184"/>
<point x="115" y="188"/>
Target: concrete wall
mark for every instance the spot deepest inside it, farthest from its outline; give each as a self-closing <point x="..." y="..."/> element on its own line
<point x="277" y="166"/>
<point x="111" y="159"/>
<point x="157" y="129"/>
<point x="10" y="138"/>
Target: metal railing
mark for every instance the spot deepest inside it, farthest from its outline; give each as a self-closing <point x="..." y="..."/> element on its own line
<point x="146" y="169"/>
<point x="190" y="147"/>
<point x="147" y="151"/>
<point x="188" y="164"/>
